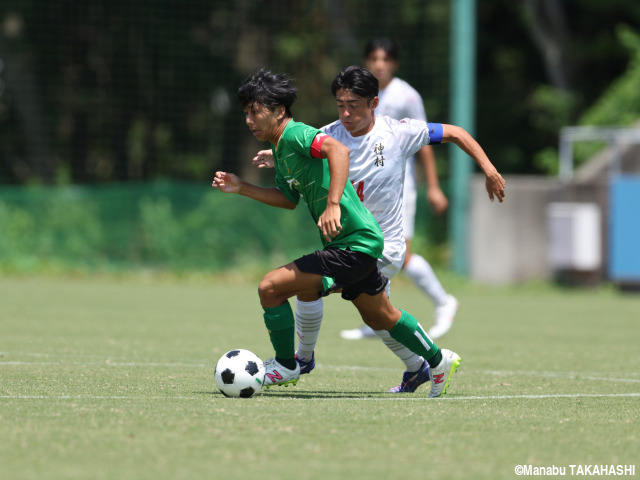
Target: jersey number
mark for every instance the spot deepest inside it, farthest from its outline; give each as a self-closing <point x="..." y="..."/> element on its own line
<point x="359" y="190"/>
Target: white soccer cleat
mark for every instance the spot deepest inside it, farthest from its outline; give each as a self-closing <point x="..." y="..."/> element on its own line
<point x="358" y="333"/>
<point x="444" y="316"/>
<point x="276" y="374"/>
<point x="441" y="374"/>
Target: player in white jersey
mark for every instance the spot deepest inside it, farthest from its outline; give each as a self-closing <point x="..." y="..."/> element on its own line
<point x="400" y="100"/>
<point x="379" y="148"/>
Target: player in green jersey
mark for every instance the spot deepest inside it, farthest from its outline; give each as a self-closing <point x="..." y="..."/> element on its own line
<point x="314" y="166"/>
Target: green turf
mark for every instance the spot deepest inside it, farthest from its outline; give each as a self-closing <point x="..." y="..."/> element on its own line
<point x="113" y="379"/>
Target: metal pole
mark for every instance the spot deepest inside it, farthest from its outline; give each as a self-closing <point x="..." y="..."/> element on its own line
<point x="565" y="170"/>
<point x="463" y="79"/>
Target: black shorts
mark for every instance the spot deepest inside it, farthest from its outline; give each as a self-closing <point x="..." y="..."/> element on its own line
<point x="353" y="272"/>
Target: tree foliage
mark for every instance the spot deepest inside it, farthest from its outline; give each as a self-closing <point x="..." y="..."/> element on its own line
<point x="118" y="91"/>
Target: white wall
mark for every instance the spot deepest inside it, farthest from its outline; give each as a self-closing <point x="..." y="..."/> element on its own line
<point x="508" y="242"/>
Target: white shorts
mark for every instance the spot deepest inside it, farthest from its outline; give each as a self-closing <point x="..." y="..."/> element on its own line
<point x="409" y="200"/>
<point x="391" y="263"/>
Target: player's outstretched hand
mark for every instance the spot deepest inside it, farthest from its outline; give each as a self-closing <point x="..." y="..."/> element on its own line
<point x="437" y="200"/>
<point x="495" y="186"/>
<point x="227" y="182"/>
<point x="264" y="159"/>
<point x="329" y="222"/>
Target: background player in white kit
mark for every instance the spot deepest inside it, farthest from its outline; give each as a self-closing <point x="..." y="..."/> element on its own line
<point x="379" y="148"/>
<point x="398" y="99"/>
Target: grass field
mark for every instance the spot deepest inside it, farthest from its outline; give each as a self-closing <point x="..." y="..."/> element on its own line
<point x="113" y="379"/>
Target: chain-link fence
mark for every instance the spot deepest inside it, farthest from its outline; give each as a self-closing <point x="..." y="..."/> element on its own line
<point x="100" y="91"/>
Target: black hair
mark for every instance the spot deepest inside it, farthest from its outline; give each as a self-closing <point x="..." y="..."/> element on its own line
<point x="268" y="89"/>
<point x="389" y="46"/>
<point x="357" y="79"/>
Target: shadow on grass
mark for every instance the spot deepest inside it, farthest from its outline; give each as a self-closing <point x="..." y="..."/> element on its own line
<point x="325" y="394"/>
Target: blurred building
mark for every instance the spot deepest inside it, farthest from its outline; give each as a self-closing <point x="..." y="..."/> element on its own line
<point x="579" y="230"/>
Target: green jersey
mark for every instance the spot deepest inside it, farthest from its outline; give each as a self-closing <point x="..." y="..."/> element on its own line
<point x="299" y="174"/>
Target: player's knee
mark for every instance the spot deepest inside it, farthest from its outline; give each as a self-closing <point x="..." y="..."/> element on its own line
<point x="268" y="291"/>
<point x="265" y="289"/>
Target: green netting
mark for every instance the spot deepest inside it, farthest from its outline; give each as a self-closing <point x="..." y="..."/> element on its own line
<point x="160" y="225"/>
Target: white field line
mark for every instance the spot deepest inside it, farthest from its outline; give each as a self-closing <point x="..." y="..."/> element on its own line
<point x="333" y="397"/>
<point x="91" y="397"/>
<point x="110" y="363"/>
<point x="113" y="364"/>
<point x="121" y="364"/>
<point x="531" y="373"/>
<point x="542" y="396"/>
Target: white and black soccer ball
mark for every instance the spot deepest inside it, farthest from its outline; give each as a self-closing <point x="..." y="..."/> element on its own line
<point x="239" y="373"/>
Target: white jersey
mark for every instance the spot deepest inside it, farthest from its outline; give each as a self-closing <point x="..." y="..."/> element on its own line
<point x="400" y="100"/>
<point x="377" y="163"/>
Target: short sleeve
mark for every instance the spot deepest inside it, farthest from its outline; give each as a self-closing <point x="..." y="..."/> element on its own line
<point x="412" y="135"/>
<point x="300" y="139"/>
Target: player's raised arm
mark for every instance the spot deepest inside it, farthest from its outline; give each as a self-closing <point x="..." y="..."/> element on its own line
<point x="338" y="157"/>
<point x="494" y="182"/>
<point x="231" y="183"/>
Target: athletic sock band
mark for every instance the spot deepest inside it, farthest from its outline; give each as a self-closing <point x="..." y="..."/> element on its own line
<point x="281" y="327"/>
<point x="410" y="333"/>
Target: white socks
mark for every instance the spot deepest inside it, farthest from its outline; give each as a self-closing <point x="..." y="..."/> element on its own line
<point x="419" y="270"/>
<point x="308" y="320"/>
<point x="412" y="361"/>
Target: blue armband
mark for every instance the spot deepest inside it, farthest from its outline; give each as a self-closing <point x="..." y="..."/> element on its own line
<point x="435" y="133"/>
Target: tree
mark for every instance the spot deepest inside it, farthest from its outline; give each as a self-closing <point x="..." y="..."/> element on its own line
<point x="118" y="91"/>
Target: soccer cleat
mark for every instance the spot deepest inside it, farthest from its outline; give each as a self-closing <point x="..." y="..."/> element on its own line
<point x="444" y="315"/>
<point x="358" y="333"/>
<point x="412" y="380"/>
<point x="441" y="374"/>
<point x="276" y="374"/>
<point x="306" y="367"/>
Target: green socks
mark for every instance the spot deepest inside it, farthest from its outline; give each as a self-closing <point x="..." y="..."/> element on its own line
<point x="410" y="333"/>
<point x="281" y="326"/>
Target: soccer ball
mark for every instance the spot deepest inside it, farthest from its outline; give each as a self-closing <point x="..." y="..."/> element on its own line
<point x="239" y="373"/>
